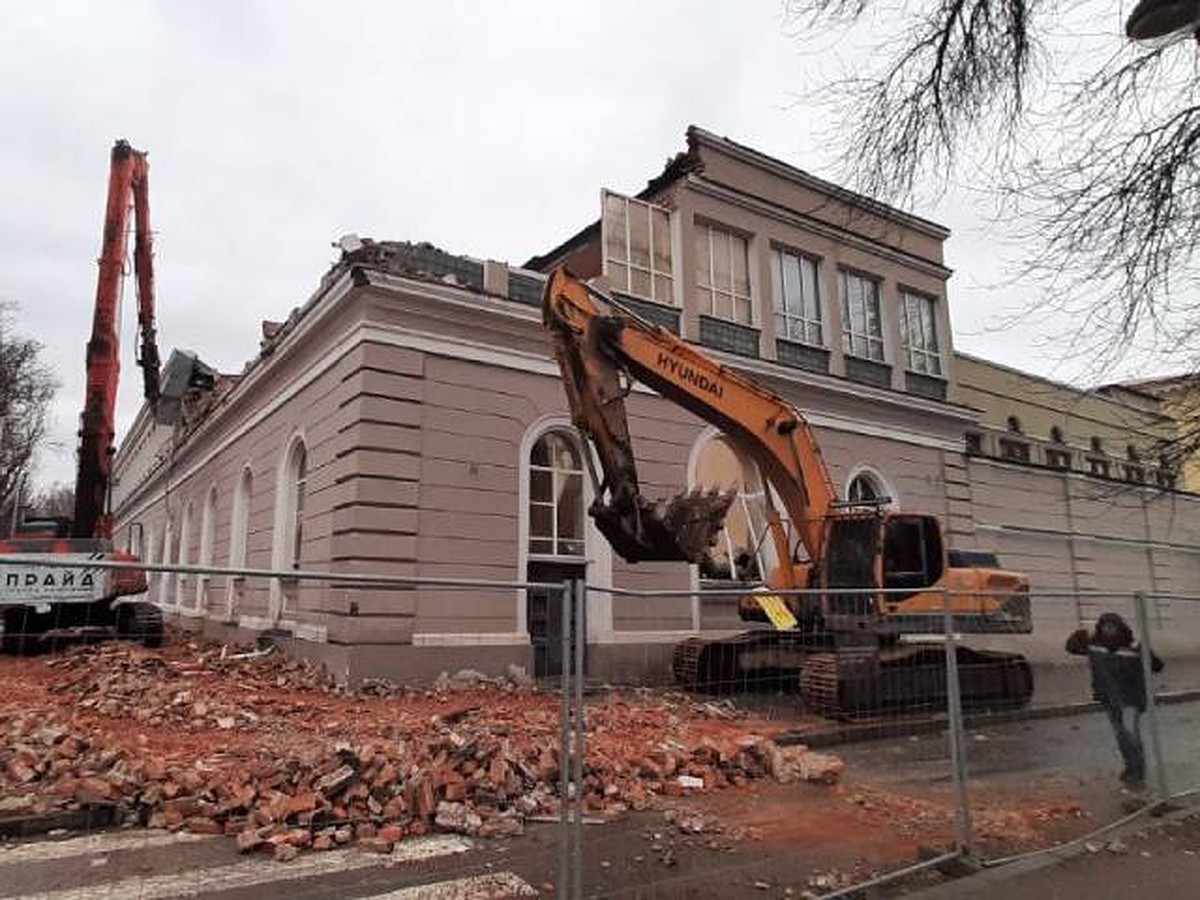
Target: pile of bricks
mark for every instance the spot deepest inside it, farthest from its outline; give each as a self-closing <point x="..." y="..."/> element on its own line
<point x="273" y="753"/>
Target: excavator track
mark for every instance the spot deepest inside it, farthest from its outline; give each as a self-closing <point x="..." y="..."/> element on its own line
<point x="857" y="683"/>
<point x="715" y="666"/>
<point x="851" y="683"/>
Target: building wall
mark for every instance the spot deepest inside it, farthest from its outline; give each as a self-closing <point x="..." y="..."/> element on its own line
<point x="418" y="394"/>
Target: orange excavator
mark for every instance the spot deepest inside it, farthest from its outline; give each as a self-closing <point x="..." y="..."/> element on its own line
<point x="874" y="578"/>
<point x="36" y="599"/>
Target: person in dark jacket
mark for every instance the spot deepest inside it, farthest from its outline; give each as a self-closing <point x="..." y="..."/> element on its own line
<point x="1119" y="683"/>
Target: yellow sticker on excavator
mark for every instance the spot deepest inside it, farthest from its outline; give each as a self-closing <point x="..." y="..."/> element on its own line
<point x="781" y="617"/>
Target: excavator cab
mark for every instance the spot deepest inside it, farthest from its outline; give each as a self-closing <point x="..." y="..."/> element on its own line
<point x="869" y="550"/>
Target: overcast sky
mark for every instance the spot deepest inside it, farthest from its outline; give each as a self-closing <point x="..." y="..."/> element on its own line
<point x="486" y="128"/>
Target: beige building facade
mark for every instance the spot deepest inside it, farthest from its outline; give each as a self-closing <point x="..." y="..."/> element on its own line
<point x="408" y="420"/>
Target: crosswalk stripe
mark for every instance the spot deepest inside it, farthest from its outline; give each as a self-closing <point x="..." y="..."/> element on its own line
<point x="92" y="844"/>
<point x="493" y="886"/>
<point x="252" y="872"/>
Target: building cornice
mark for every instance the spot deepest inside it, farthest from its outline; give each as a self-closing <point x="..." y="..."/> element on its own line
<point x="735" y="197"/>
<point x="790" y="173"/>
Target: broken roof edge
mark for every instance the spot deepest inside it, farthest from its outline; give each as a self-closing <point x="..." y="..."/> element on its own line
<point x="677" y="167"/>
<point x="689" y="161"/>
<point x="698" y="135"/>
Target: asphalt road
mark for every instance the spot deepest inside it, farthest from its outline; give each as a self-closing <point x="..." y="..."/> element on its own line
<point x="638" y="857"/>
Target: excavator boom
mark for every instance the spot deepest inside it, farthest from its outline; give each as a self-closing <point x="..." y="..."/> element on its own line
<point x="601" y="348"/>
<point x="128" y="181"/>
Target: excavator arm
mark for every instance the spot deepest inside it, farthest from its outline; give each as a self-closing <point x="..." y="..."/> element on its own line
<point x="128" y="180"/>
<point x="602" y="349"/>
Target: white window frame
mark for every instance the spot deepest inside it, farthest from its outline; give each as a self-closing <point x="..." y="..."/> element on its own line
<point x="239" y="538"/>
<point x="165" y="596"/>
<point x="734" y="297"/>
<point x="922" y="355"/>
<point x="752" y="500"/>
<point x="664" y="294"/>
<point x="208" y="533"/>
<point x="556" y="475"/>
<point x="289" y="510"/>
<point x="797" y="319"/>
<point x="182" y="558"/>
<point x="856" y="340"/>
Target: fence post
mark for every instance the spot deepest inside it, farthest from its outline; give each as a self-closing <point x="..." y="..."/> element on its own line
<point x="580" y="734"/>
<point x="958" y="767"/>
<point x="1147" y="654"/>
<point x="564" y="749"/>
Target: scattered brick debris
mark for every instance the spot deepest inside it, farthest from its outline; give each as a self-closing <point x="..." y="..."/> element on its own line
<point x="273" y="751"/>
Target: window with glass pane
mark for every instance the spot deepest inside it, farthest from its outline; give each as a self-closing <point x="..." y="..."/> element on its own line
<point x="300" y="464"/>
<point x="555" y="497"/>
<point x="742" y="550"/>
<point x="637" y="248"/>
<point x="723" y="274"/>
<point x="862" y="329"/>
<point x="797" y="303"/>
<point x="918" y="333"/>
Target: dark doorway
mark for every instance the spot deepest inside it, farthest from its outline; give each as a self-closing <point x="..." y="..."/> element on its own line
<point x="544" y="616"/>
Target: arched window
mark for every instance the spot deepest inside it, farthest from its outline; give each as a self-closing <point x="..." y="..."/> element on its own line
<point x="1056" y="434"/>
<point x="185" y="539"/>
<point x="866" y="485"/>
<point x="299" y="476"/>
<point x="1097" y="445"/>
<point x="1014" y="425"/>
<point x="289" y="524"/>
<point x="555" y="496"/>
<point x="743" y="550"/>
<point x="239" y="526"/>
<point x="150" y="548"/>
<point x="239" y="535"/>
<point x="208" y="528"/>
<point x="164" y="579"/>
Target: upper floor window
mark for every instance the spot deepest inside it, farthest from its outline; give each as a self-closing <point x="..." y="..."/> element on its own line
<point x="797" y="299"/>
<point x="1056" y="434"/>
<point x="918" y="333"/>
<point x="637" y="248"/>
<point x="1097" y="445"/>
<point x="862" y="329"/>
<point x="723" y="274"/>
<point x="1057" y="459"/>
<point x="1014" y="450"/>
<point x="1014" y="425"/>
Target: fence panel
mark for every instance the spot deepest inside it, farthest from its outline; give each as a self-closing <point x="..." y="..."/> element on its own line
<point x="778" y="758"/>
<point x="199" y="762"/>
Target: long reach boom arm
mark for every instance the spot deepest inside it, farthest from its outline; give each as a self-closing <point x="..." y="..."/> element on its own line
<point x="601" y="348"/>
<point x="129" y="181"/>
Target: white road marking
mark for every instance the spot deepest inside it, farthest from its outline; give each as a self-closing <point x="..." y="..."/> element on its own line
<point x="92" y="844"/>
<point x="494" y="886"/>
<point x="253" y="871"/>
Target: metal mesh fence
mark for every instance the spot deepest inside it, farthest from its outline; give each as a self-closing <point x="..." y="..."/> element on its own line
<point x="766" y="750"/>
<point x="205" y="761"/>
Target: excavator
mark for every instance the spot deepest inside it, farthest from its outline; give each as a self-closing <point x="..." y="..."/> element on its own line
<point x="37" y="599"/>
<point x="867" y="580"/>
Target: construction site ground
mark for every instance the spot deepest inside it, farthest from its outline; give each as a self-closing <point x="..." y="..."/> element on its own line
<point x="186" y="735"/>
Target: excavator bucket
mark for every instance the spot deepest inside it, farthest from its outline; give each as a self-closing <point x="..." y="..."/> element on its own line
<point x="680" y="530"/>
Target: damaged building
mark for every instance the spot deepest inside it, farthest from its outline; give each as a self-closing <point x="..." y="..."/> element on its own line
<point x="408" y="420"/>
